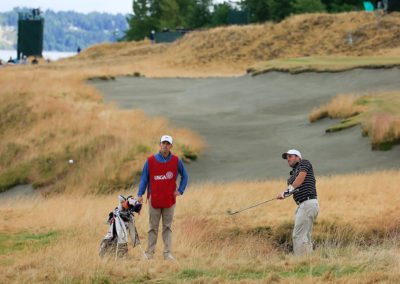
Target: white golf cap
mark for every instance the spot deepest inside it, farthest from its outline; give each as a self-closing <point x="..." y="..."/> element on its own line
<point x="166" y="138"/>
<point x="291" y="152"/>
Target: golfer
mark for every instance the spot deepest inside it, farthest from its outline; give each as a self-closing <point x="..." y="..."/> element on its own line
<point x="159" y="176"/>
<point x="301" y="183"/>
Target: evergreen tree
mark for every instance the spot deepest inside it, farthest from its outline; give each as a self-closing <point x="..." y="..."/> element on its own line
<point x="221" y="14"/>
<point x="258" y="10"/>
<point x="141" y="23"/>
<point x="280" y="9"/>
<point x="200" y="15"/>
<point x="307" y="6"/>
<point x="337" y="6"/>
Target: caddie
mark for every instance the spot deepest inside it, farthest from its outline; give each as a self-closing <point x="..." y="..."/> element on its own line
<point x="301" y="184"/>
<point x="159" y="176"/>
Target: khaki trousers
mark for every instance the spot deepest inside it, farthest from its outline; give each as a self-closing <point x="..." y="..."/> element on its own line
<point x="306" y="214"/>
<point x="155" y="214"/>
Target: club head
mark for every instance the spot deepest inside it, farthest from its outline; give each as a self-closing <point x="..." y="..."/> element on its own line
<point x="229" y="212"/>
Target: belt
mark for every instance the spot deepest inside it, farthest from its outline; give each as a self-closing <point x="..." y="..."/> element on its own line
<point x="305" y="199"/>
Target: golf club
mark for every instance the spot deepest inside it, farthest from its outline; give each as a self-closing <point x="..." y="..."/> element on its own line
<point x="255" y="205"/>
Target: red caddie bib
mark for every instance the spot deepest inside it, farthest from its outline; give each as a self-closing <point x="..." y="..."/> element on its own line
<point x="162" y="181"/>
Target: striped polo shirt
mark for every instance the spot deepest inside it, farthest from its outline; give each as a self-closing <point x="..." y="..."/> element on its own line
<point x="307" y="189"/>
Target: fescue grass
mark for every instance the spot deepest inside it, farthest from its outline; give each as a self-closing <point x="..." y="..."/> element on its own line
<point x="356" y="236"/>
<point x="341" y="106"/>
<point x="378" y="115"/>
<point x="48" y="117"/>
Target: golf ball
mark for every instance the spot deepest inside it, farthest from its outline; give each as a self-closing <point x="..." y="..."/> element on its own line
<point x="71" y="161"/>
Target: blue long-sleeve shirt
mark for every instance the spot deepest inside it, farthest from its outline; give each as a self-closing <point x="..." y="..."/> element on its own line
<point x="144" y="179"/>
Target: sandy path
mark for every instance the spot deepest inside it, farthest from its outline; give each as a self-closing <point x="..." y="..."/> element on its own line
<point x="19" y="192"/>
<point x="249" y="121"/>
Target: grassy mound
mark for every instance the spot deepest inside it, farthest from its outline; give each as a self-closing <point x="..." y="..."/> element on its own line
<point x="378" y="114"/>
<point x="297" y="36"/>
<point x="232" y="50"/>
<point x="48" y="117"/>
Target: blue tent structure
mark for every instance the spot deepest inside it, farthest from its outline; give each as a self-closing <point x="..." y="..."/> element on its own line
<point x="368" y="6"/>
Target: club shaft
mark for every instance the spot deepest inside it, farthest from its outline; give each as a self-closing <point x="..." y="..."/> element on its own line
<point x="255" y="205"/>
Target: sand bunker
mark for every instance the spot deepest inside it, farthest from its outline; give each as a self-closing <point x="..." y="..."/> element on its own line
<point x="249" y="121"/>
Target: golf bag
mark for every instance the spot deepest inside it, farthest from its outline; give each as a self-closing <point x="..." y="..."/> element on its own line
<point x="121" y="225"/>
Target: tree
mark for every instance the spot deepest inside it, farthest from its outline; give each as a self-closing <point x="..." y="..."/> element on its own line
<point x="258" y="10"/>
<point x="308" y="6"/>
<point x="221" y="14"/>
<point x="336" y="6"/>
<point x="175" y="13"/>
<point x="200" y="15"/>
<point x="280" y="9"/>
<point x="142" y="22"/>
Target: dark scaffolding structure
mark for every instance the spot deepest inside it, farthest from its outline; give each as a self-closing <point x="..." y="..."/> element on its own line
<point x="30" y="34"/>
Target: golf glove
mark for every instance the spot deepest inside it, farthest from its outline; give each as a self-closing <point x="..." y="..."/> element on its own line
<point x="289" y="191"/>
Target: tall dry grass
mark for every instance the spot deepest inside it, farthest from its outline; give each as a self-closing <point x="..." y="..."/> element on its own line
<point x="341" y="106"/>
<point x="377" y="113"/>
<point x="383" y="127"/>
<point x="296" y="36"/>
<point x="51" y="116"/>
<point x="357" y="234"/>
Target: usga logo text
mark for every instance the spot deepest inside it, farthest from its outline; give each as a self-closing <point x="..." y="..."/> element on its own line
<point x="168" y="175"/>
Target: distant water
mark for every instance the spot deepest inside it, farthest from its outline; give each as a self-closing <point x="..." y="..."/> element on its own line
<point x="52" y="55"/>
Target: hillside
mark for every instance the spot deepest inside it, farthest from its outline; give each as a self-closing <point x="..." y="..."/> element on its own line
<point x="236" y="48"/>
<point x="298" y="36"/>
